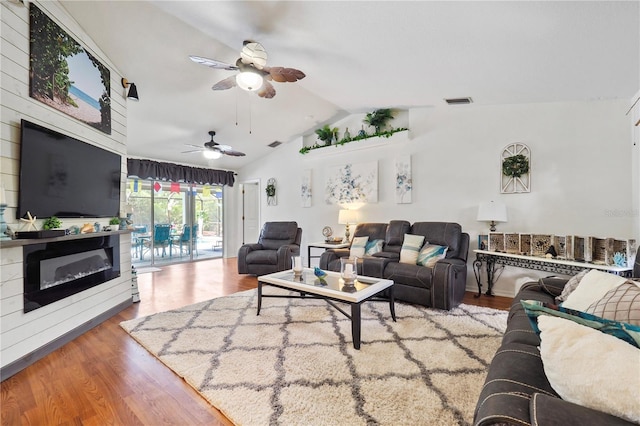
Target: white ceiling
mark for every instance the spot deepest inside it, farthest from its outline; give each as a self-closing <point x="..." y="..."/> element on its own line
<point x="358" y="56"/>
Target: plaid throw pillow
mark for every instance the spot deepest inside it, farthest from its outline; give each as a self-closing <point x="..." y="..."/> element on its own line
<point x="619" y="304"/>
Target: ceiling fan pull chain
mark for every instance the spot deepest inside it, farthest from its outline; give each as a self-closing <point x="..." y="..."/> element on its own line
<point x="237" y="108"/>
<point x="250" y="107"/>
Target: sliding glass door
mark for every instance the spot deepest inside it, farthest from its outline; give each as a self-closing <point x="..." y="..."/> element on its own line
<point x="174" y="222"/>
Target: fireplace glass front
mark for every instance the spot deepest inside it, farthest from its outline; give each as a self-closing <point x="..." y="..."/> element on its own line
<point x="53" y="271"/>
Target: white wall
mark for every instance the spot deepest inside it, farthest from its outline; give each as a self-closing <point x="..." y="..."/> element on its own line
<point x="634" y="122"/>
<point x="580" y="184"/>
<point x="23" y="333"/>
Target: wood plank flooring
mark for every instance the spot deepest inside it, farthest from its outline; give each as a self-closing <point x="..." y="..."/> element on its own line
<point x="105" y="378"/>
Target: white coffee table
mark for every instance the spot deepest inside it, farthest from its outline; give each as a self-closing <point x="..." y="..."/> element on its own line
<point x="331" y="289"/>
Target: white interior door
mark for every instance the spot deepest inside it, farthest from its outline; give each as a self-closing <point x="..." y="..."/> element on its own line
<point x="250" y="212"/>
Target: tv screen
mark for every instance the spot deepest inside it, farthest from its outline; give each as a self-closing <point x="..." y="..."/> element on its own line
<point x="65" y="177"/>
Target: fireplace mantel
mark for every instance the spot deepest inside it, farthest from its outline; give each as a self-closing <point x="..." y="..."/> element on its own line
<point x="29" y="241"/>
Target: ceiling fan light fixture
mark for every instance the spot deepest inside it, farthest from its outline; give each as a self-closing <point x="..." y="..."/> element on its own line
<point x="211" y="154"/>
<point x="249" y="81"/>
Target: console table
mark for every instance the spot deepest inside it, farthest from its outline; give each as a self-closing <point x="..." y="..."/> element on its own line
<point x="558" y="266"/>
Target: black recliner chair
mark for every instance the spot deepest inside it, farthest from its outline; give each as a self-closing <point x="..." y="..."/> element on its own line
<point x="272" y="253"/>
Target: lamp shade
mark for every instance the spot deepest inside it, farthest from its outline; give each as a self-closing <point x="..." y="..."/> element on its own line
<point x="492" y="212"/>
<point x="133" y="92"/>
<point x="249" y="80"/>
<point x="346" y="217"/>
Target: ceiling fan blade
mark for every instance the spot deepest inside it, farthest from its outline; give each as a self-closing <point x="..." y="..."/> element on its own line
<point x="224" y="147"/>
<point x="191" y="151"/>
<point x="212" y="63"/>
<point x="283" y="75"/>
<point x="267" y="90"/>
<point x="192" y="145"/>
<point x="234" y="153"/>
<point x="225" y="84"/>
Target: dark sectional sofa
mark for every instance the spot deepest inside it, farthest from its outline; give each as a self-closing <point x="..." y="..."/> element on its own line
<point x="441" y="286"/>
<point x="516" y="390"/>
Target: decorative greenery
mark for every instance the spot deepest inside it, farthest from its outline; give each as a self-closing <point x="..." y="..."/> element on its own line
<point x="515" y="166"/>
<point x="378" y="119"/>
<point x="326" y="133"/>
<point x="270" y="190"/>
<point x="383" y="134"/>
<point x="52" y="223"/>
<point x="114" y="221"/>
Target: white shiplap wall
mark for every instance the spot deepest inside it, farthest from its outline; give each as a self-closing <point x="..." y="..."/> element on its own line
<point x="23" y="333"/>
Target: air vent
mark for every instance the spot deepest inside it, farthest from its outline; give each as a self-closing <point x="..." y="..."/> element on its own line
<point x="459" y="101"/>
<point x="274" y="144"/>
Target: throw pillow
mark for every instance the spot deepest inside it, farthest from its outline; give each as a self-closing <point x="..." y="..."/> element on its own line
<point x="430" y="254"/>
<point x="590" y="368"/>
<point x="623" y="331"/>
<point x="357" y="246"/>
<point x="571" y="285"/>
<point x="372" y="247"/>
<point x="620" y="304"/>
<point x="592" y="287"/>
<point x="410" y="248"/>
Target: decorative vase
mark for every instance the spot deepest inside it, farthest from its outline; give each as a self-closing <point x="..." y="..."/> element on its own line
<point x="296" y="266"/>
<point x="347" y="135"/>
<point x="349" y="270"/>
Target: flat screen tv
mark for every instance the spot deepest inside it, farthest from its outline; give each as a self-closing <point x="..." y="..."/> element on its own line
<point x="65" y="177"/>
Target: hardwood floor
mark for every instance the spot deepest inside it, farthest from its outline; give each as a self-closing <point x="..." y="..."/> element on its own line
<point x="105" y="378"/>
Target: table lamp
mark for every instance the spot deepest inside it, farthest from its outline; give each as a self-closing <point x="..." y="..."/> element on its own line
<point x="492" y="212"/>
<point x="345" y="217"/>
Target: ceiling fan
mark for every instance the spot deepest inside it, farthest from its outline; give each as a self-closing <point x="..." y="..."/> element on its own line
<point x="213" y="150"/>
<point x="253" y="75"/>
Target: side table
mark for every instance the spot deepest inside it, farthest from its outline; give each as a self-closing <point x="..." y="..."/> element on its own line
<point x="324" y="246"/>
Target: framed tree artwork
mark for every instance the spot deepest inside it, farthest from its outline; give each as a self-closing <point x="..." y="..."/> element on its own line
<point x="65" y="76"/>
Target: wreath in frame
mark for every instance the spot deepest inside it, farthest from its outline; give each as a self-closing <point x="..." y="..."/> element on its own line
<point x="515" y="166"/>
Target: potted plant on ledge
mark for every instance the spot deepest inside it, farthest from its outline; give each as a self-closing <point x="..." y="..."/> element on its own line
<point x="378" y="119"/>
<point x="326" y="134"/>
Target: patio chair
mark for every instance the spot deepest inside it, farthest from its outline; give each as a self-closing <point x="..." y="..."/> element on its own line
<point x="161" y="238"/>
<point x="138" y="237"/>
<point x="187" y="237"/>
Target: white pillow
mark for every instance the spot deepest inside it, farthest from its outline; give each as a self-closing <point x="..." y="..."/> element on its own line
<point x="590" y="368"/>
<point x="593" y="286"/>
<point x="357" y="247"/>
<point x="411" y="248"/>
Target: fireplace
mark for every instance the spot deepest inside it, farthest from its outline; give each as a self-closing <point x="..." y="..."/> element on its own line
<point x="55" y="270"/>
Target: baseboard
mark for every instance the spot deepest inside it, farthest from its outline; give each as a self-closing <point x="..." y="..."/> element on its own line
<point x="22" y="363"/>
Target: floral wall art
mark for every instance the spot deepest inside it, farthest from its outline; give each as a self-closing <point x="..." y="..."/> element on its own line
<point x="305" y="188"/>
<point x="352" y="183"/>
<point x="404" y="183"/>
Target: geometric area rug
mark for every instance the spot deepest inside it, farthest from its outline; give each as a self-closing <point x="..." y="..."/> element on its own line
<point x="295" y="363"/>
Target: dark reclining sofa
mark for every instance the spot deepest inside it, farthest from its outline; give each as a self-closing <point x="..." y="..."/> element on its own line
<point x="516" y="389"/>
<point x="441" y="286"/>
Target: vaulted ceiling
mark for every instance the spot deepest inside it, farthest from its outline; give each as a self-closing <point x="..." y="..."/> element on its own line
<point x="357" y="56"/>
